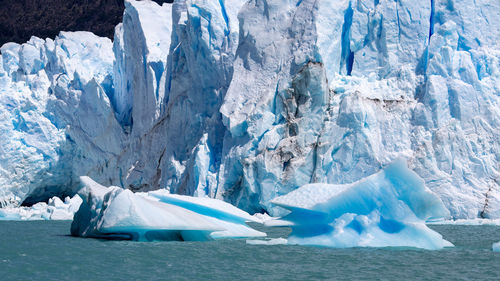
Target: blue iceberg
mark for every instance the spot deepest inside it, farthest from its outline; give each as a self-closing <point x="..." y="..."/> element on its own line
<point x="115" y="213"/>
<point x="388" y="208"/>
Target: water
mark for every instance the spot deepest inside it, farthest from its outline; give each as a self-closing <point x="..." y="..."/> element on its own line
<point x="44" y="251"/>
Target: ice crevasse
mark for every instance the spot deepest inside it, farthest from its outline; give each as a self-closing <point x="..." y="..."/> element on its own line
<point x="246" y="101"/>
<point x="389" y="208"/>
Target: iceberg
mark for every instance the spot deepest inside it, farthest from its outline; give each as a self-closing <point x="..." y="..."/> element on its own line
<point x="388" y="208"/>
<point x="269" y="242"/>
<point x="115" y="213"/>
<point x="55" y="209"/>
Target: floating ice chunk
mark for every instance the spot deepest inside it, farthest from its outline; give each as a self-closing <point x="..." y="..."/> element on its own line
<point x="117" y="213"/>
<point x="389" y="208"/>
<point x="468" y="222"/>
<point x="496" y="247"/>
<point x="263" y="217"/>
<point x="55" y="209"/>
<point x="268" y="242"/>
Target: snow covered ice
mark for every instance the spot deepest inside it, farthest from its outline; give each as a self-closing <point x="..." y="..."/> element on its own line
<point x="116" y="213"/>
<point x="246" y="101"/>
<point x="389" y="208"/>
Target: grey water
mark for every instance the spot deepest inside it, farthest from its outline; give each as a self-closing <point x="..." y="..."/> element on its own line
<point x="42" y="250"/>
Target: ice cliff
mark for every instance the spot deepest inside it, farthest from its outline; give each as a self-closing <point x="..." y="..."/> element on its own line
<point x="56" y="115"/>
<point x="246" y="101"/>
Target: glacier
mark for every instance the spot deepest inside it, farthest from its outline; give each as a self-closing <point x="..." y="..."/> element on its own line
<point x="115" y="213"/>
<point x="55" y="112"/>
<point x="246" y="101"/>
<point x="388" y="208"/>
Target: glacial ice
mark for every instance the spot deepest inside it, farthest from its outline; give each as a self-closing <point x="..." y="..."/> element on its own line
<point x="268" y="242"/>
<point x="140" y="71"/>
<point x="55" y="209"/>
<point x="318" y="117"/>
<point x="247" y="101"/>
<point x="496" y="247"/>
<point x="388" y="208"/>
<point x="117" y="213"/>
<point x="56" y="119"/>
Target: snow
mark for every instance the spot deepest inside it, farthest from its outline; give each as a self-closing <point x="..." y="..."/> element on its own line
<point x="388" y="208"/>
<point x="55" y="209"/>
<point x="246" y="101"/>
<point x="117" y="213"/>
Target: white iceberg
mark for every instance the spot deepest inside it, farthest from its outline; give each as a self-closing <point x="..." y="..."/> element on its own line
<point x="268" y="242"/>
<point x="388" y="208"/>
<point x="467" y="222"/>
<point x="116" y="213"/>
<point x="55" y="209"/>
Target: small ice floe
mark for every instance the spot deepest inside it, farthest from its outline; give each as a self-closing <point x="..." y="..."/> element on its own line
<point x="386" y="209"/>
<point x="55" y="209"/>
<point x="496" y="247"/>
<point x="268" y="242"/>
<point x="263" y="217"/>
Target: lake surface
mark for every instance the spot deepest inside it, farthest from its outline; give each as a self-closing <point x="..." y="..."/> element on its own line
<point x="43" y="250"/>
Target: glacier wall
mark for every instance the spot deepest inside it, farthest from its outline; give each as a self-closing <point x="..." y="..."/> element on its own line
<point x="249" y="100"/>
<point x="56" y="116"/>
<point x="332" y="92"/>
